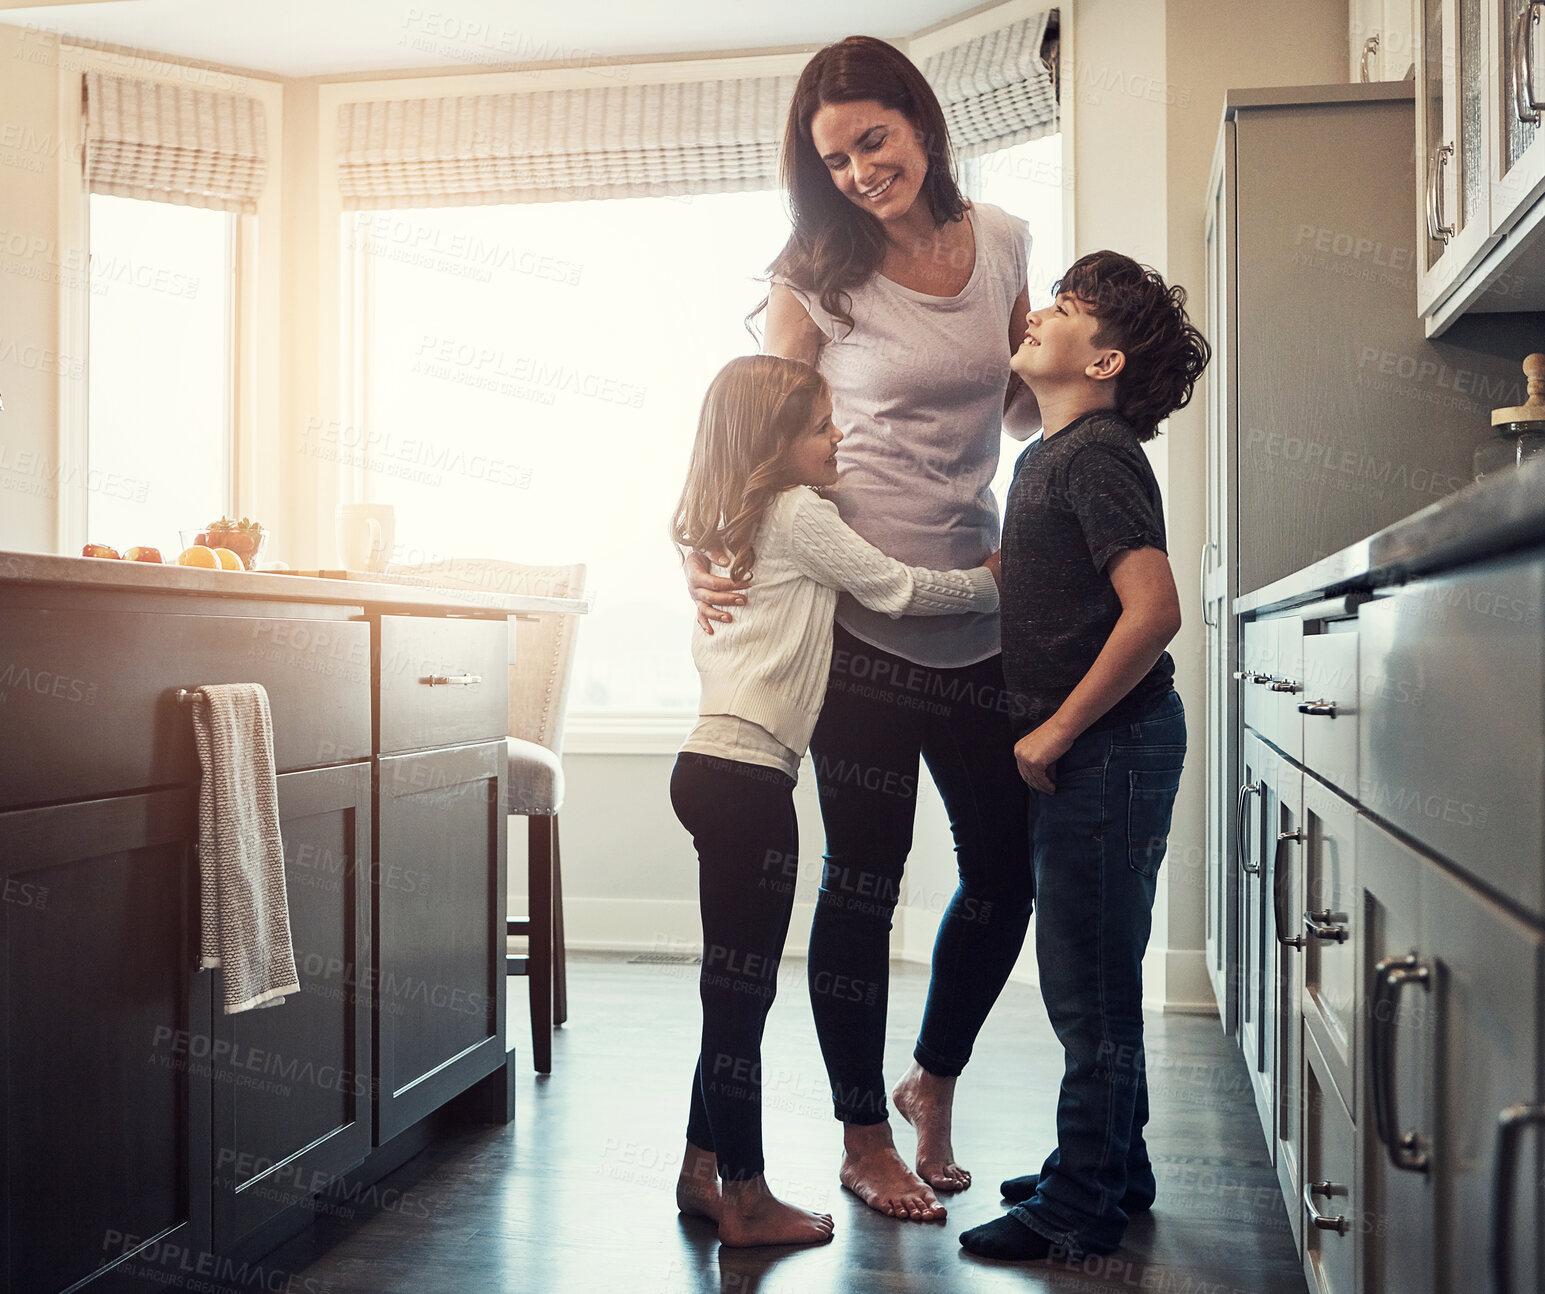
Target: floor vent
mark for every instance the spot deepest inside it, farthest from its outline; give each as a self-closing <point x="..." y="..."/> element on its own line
<point x="665" y="959"/>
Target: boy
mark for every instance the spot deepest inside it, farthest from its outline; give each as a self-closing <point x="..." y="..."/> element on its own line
<point x="1089" y="605"/>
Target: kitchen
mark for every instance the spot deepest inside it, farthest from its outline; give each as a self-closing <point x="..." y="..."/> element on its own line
<point x="1142" y="112"/>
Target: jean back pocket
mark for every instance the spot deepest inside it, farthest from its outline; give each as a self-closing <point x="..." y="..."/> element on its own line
<point x="1150" y="805"/>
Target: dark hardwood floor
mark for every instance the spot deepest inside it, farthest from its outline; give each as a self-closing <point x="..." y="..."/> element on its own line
<point x="577" y="1194"/>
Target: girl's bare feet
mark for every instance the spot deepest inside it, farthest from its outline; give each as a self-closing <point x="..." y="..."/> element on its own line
<point x="926" y="1101"/>
<point x="753" y="1215"/>
<point x="697" y="1189"/>
<point x="874" y="1172"/>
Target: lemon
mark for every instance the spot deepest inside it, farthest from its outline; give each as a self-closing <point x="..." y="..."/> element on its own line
<point x="199" y="556"/>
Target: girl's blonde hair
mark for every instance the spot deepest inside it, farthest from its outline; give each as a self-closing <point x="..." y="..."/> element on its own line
<point x="753" y="409"/>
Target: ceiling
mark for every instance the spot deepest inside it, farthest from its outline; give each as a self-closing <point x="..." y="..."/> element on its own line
<point x="296" y="38"/>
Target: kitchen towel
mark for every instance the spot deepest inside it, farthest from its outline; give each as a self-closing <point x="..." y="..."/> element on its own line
<point x="244" y="916"/>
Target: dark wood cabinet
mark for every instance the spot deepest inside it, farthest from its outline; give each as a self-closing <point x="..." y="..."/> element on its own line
<point x="440" y="908"/>
<point x="107" y="1099"/>
<point x="292" y="1084"/>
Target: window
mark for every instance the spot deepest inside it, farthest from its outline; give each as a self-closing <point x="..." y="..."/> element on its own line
<point x="1025" y="180"/>
<point x="159" y="413"/>
<point x="533" y="375"/>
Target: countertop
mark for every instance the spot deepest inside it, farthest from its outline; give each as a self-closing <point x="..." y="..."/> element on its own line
<point x="1485" y="519"/>
<point x="20" y="569"/>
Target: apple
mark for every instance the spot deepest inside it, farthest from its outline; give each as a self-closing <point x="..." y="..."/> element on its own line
<point x="98" y="550"/>
<point x="142" y="554"/>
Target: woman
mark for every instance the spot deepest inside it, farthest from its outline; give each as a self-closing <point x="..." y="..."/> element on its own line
<point x="909" y="300"/>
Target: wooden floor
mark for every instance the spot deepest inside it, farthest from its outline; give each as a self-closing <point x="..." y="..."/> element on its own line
<point x="577" y="1194"/>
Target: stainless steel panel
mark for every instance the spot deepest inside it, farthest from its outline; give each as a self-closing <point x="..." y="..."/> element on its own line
<point x="1451" y="694"/>
<point x="1330" y="705"/>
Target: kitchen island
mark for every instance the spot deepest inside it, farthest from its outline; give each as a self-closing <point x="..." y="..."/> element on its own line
<point x="1381" y="904"/>
<point x="149" y="1136"/>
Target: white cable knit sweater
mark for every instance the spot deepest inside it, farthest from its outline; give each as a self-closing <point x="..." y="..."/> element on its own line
<point x="770" y="665"/>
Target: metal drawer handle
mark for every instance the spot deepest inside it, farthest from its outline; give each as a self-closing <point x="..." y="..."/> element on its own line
<point x="1390" y="976"/>
<point x="1510" y="1125"/>
<point x="1370" y="48"/>
<point x="1327" y="925"/>
<point x="1339" y="1224"/>
<point x="1279" y="893"/>
<point x="1524" y="102"/>
<point x="1286" y="685"/>
<point x="454" y="680"/>
<point x="1326" y="708"/>
<point x="1245" y="792"/>
<point x="1201" y="584"/>
<point x="1436" y="229"/>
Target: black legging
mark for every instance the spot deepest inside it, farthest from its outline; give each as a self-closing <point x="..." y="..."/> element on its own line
<point x="880" y="713"/>
<point x="741" y="817"/>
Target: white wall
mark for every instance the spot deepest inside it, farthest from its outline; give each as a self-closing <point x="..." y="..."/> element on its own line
<point x="34" y="271"/>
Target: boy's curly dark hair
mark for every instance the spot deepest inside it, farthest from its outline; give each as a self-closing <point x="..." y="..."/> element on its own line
<point x="1145" y="319"/>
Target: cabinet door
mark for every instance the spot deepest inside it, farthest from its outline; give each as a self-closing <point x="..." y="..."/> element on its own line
<point x="1217" y="595"/>
<point x="439" y="920"/>
<point x="1396" y="1036"/>
<point x="1284" y="973"/>
<point x="1454" y="100"/>
<point x="1331" y="932"/>
<point x="104" y="1167"/>
<point x="292" y="1083"/>
<point x="1486" y="1020"/>
<point x="1518" y="143"/>
<point x="1254" y="1036"/>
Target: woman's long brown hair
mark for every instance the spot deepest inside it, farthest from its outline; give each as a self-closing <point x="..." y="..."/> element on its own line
<point x="834" y="246"/>
<point x="753" y="409"/>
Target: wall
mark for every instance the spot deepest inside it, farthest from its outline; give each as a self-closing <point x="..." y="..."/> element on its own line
<point x="33" y="273"/>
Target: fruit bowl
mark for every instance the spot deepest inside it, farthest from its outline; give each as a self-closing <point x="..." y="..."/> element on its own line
<point x="245" y="538"/>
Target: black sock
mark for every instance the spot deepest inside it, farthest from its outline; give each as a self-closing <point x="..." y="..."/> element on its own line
<point x="1006" y="1238"/>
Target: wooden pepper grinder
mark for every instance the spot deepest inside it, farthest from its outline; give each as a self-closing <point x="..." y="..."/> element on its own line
<point x="1519" y="430"/>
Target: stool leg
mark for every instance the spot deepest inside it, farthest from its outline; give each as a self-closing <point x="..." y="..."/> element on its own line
<point x="560" y="957"/>
<point x="540" y="872"/>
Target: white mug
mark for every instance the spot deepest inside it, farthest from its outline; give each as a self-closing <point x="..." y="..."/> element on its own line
<point x="365" y="533"/>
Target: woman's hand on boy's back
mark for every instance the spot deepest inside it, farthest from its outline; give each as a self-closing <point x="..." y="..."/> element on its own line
<point x="993" y="562"/>
<point x="711" y="592"/>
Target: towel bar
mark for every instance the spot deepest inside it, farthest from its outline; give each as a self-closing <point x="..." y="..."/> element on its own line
<point x="183" y="695"/>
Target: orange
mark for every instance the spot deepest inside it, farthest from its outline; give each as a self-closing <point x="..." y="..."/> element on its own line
<point x="199" y="556"/>
<point x="229" y="561"/>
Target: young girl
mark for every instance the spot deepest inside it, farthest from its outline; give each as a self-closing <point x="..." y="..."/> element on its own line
<point x="764" y="439"/>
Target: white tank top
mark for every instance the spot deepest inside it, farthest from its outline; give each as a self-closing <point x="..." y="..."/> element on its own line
<point x="917" y="389"/>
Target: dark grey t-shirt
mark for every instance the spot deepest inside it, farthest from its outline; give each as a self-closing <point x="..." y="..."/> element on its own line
<point x="1078" y="498"/>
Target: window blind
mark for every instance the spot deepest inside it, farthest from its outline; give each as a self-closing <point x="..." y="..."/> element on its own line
<point x="171" y="143"/>
<point x="666" y="140"/>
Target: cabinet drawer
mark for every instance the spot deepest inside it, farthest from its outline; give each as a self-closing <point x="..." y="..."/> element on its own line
<point x="90" y="706"/>
<point x="1272" y="663"/>
<point x="443" y="682"/>
<point x="1331" y="1216"/>
<point x="1329" y="707"/>
<point x="1452" y="700"/>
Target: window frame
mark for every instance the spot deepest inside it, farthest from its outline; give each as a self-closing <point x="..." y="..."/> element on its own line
<point x="253" y="449"/>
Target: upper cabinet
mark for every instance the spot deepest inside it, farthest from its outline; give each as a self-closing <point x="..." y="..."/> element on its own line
<point x="1382" y="39"/>
<point x="1453" y="106"/>
<point x="1480" y="73"/>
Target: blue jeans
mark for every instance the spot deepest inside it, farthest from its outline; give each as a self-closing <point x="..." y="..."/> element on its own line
<point x="1097" y="845"/>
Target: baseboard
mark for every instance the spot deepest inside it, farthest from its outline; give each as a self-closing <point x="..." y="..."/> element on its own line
<point x="1187" y="988"/>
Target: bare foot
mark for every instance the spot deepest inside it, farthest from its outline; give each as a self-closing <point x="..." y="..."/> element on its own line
<point x="926" y="1101"/>
<point x="753" y="1215"/>
<point x="874" y="1172"/>
<point x="697" y="1189"/>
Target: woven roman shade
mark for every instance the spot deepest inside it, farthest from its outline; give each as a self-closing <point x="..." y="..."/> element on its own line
<point x="617" y="141"/>
<point x="171" y="143"/>
<point x="1001" y="88"/>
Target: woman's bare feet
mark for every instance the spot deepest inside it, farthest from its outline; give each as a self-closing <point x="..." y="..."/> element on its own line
<point x="697" y="1189"/>
<point x="874" y="1172"/>
<point x="926" y="1101"/>
<point x="753" y="1215"/>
